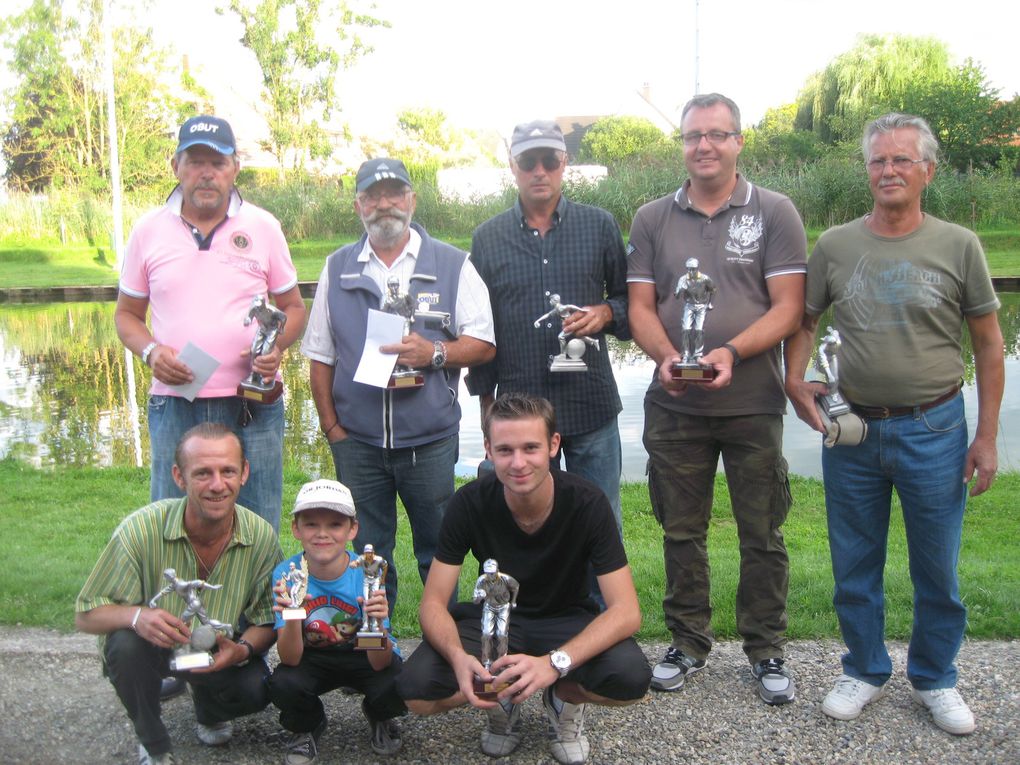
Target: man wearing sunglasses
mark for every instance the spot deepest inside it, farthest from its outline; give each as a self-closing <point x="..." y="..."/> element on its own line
<point x="547" y="245"/>
<point x="751" y="242"/>
<point x="398" y="441"/>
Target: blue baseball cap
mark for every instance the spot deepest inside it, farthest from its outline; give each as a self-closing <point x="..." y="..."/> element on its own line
<point x="205" y="130"/>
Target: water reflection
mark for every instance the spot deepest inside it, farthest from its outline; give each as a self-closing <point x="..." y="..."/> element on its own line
<point x="64" y="400"/>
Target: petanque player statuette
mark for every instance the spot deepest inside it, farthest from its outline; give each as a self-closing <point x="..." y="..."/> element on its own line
<point x="842" y="426"/>
<point x="197" y="654"/>
<point x="497" y="593"/>
<point x="696" y="290"/>
<point x="572" y="348"/>
<point x="296" y="582"/>
<point x="371" y="637"/>
<point x="271" y="321"/>
<point x="402" y="304"/>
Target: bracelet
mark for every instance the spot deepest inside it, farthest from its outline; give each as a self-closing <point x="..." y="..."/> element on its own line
<point x="147" y="350"/>
<point x="731" y="349"/>
<point x="134" y="621"/>
<point x="325" y="431"/>
<point x="251" y="651"/>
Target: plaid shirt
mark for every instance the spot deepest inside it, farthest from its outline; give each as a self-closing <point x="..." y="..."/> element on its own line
<point x="582" y="259"/>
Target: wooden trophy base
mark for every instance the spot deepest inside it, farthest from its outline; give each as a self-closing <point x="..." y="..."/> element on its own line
<point x="370" y="641"/>
<point x="692" y="373"/>
<point x="412" y="378"/>
<point x="294" y="614"/>
<point x="488" y="690"/>
<point x="259" y="393"/>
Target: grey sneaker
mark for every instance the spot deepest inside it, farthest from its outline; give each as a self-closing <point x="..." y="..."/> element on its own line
<point x="502" y="734"/>
<point x="385" y="734"/>
<point x="670" y="673"/>
<point x="216" y="734"/>
<point x="949" y="711"/>
<point x="567" y="743"/>
<point x="303" y="748"/>
<point x="775" y="686"/>
<point x="144" y="758"/>
<point x="849" y="696"/>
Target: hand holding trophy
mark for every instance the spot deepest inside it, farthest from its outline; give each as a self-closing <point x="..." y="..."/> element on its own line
<point x="497" y="592"/>
<point x="271" y="321"/>
<point x="197" y="654"/>
<point x="296" y="583"/>
<point x="572" y="348"/>
<point x="371" y="636"/>
<point x="696" y="290"/>
<point x="842" y="426"/>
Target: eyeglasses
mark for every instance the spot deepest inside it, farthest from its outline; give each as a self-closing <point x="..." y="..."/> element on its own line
<point x="900" y="164"/>
<point x="393" y="196"/>
<point x="550" y="162"/>
<point x="715" y="137"/>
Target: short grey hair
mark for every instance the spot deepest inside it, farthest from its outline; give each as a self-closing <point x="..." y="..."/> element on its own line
<point x="705" y="100"/>
<point x="927" y="144"/>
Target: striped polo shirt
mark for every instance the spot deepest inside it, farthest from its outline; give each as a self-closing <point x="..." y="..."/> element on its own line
<point x="130" y="570"/>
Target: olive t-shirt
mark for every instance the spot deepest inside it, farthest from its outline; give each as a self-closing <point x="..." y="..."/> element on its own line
<point x="899" y="304"/>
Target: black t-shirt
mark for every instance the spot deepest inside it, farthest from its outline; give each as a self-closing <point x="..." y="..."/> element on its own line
<point x="551" y="564"/>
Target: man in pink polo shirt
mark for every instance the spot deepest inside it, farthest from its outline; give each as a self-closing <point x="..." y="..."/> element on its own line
<point x="197" y="262"/>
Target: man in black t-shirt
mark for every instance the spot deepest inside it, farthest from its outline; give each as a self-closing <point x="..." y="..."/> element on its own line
<point x="544" y="528"/>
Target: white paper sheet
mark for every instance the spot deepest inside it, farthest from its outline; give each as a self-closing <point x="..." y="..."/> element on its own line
<point x="375" y="366"/>
<point x="202" y="365"/>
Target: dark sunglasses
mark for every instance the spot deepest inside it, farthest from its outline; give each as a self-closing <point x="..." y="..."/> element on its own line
<point x="550" y="162"/>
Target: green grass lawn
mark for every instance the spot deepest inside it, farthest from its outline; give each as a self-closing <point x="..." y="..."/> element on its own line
<point x="53" y="524"/>
<point x="51" y="265"/>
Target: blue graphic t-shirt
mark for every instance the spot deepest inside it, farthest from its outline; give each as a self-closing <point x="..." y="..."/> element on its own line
<point x="333" y="614"/>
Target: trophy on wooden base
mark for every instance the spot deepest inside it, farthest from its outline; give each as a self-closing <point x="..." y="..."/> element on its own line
<point x="497" y="592"/>
<point x="696" y="290"/>
<point x="570" y="357"/>
<point x="296" y="581"/>
<point x="271" y="321"/>
<point x="371" y="636"/>
<point x="197" y="654"/>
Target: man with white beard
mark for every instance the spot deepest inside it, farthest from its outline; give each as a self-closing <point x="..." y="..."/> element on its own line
<point x="398" y="440"/>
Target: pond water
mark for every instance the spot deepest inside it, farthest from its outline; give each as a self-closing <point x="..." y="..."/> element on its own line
<point x="64" y="397"/>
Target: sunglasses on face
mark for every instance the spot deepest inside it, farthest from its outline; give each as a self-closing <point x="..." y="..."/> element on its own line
<point x="550" y="162"/>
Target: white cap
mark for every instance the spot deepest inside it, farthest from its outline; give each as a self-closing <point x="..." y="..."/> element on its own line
<point x="325" y="494"/>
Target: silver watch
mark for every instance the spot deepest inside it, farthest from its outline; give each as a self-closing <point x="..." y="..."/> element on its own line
<point x="438" y="354"/>
<point x="561" y="662"/>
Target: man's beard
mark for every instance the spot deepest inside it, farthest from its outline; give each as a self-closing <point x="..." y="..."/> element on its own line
<point x="387" y="228"/>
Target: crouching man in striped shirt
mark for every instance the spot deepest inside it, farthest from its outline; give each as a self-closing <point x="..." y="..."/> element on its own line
<point x="203" y="536"/>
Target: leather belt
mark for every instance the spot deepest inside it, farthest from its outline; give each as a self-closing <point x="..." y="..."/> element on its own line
<point x="885" y="412"/>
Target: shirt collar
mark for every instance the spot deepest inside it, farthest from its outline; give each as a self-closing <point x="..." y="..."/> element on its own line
<point x="173" y="525"/>
<point x="557" y="216"/>
<point x="175" y="202"/>
<point x="739" y="198"/>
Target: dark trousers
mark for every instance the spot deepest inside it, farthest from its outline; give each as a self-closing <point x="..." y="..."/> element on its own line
<point x="295" y="690"/>
<point x="136" y="668"/>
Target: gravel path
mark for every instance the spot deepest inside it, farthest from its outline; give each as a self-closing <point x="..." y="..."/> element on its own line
<point x="55" y="706"/>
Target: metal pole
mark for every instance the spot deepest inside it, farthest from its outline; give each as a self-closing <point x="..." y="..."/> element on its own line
<point x="697" y="47"/>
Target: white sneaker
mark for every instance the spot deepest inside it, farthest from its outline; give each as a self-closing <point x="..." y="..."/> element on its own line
<point x="849" y="696"/>
<point x="502" y="734"/>
<point x="216" y="734"/>
<point x="567" y="743"/>
<point x="144" y="758"/>
<point x="948" y="710"/>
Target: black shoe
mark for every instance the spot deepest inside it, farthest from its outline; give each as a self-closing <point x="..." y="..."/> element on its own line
<point x="670" y="673"/>
<point x="385" y="733"/>
<point x="171" y="686"/>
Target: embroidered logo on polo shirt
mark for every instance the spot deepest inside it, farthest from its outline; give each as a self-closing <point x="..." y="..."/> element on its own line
<point x="241" y="241"/>
<point x="745" y="233"/>
<point x="427" y="299"/>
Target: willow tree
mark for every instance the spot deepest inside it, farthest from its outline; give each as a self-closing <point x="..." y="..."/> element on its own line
<point x="873" y="77"/>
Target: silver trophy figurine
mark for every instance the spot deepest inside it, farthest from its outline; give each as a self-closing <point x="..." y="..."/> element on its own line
<point x="402" y="304"/>
<point x="696" y="290"/>
<point x="371" y="636"/>
<point x="497" y="592"/>
<point x="296" y="582"/>
<point x="271" y="321"/>
<point x="842" y="426"/>
<point x="572" y="348"/>
<point x="198" y="654"/>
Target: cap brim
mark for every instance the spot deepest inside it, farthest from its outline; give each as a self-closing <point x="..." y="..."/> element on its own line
<point x="537" y="143"/>
<point x="199" y="142"/>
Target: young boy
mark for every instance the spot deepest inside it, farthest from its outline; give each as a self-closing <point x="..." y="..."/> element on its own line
<point x="317" y="654"/>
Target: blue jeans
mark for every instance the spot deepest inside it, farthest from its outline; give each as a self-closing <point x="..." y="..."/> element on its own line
<point x="423" y="478"/>
<point x="597" y="456"/>
<point x="922" y="456"/>
<point x="262" y="438"/>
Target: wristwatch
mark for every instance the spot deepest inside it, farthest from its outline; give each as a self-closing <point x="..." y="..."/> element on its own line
<point x="561" y="662"/>
<point x="251" y="651"/>
<point x="147" y="350"/>
<point x="438" y="354"/>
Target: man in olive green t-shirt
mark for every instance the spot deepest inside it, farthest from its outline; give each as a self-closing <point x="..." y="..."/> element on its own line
<point x="204" y="537"/>
<point x="901" y="284"/>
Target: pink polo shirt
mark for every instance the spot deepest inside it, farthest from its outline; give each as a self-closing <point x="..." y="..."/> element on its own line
<point x="203" y="296"/>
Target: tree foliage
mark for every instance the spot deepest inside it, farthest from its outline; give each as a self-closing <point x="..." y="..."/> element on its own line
<point x="299" y="73"/>
<point x="612" y="139"/>
<point x="56" y="134"/>
<point x="775" y="140"/>
<point x="425" y="138"/>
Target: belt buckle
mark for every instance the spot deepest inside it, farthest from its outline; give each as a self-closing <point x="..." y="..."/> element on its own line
<point x="886" y="412"/>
